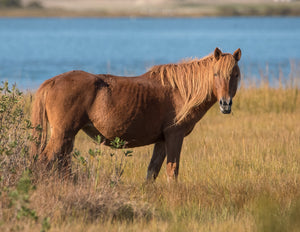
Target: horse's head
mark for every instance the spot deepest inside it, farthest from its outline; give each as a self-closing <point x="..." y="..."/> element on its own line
<point x="226" y="77"/>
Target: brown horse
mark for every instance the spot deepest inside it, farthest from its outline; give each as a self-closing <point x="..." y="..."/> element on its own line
<point x="161" y="106"/>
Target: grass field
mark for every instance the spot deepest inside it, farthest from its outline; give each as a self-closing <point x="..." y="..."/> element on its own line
<point x="239" y="172"/>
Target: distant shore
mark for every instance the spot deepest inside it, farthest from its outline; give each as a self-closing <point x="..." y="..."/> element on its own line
<point x="169" y="10"/>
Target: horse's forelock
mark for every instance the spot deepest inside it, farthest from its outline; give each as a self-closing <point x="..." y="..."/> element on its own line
<point x="226" y="65"/>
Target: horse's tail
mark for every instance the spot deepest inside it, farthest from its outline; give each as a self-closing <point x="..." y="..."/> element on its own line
<point x="39" y="120"/>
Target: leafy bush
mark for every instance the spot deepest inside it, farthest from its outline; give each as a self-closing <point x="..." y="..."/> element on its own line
<point x="14" y="135"/>
<point x="16" y="181"/>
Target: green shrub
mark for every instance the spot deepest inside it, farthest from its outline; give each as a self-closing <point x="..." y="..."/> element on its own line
<point x="16" y="179"/>
<point x="14" y="135"/>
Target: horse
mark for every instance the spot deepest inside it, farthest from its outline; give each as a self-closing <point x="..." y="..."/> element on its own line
<point x="159" y="107"/>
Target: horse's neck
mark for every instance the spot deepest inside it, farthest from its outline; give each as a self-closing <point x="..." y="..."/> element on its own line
<point x="199" y="111"/>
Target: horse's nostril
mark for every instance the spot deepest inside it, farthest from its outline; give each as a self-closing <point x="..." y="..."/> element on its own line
<point x="224" y="102"/>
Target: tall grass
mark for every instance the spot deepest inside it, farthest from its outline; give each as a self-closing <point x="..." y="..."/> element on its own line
<point x="238" y="173"/>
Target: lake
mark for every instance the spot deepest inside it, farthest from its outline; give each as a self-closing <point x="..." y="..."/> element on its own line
<point x="35" y="49"/>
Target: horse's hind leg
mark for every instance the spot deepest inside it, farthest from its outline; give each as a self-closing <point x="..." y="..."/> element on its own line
<point x="158" y="157"/>
<point x="65" y="157"/>
<point x="58" y="149"/>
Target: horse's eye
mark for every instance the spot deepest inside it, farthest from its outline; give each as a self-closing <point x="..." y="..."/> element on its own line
<point x="216" y="74"/>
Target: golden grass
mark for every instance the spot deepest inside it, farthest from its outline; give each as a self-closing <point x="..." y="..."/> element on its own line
<point x="238" y="172"/>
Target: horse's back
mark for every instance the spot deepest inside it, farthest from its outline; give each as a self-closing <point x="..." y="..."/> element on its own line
<point x="73" y="80"/>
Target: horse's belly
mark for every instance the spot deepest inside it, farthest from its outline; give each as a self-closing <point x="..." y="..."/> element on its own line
<point x="134" y="134"/>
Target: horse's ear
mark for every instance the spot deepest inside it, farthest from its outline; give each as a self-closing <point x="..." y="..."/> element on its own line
<point x="237" y="54"/>
<point x="217" y="53"/>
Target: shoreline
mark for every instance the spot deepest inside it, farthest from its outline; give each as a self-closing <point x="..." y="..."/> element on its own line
<point x="168" y="11"/>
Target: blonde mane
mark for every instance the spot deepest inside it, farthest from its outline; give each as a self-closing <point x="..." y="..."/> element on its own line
<point x="193" y="79"/>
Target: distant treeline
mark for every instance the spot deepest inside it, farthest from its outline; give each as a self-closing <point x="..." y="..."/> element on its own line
<point x="259" y="10"/>
<point x="18" y="4"/>
<point x="10" y="3"/>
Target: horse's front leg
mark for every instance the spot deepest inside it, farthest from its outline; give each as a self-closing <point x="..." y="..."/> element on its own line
<point x="158" y="157"/>
<point x="173" y="144"/>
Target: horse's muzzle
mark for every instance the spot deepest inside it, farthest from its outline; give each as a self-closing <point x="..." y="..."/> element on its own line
<point x="225" y="105"/>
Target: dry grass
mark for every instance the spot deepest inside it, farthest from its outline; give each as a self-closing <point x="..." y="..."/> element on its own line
<point x="238" y="173"/>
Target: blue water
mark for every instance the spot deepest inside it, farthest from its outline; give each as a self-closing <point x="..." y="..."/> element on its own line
<point x="33" y="50"/>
